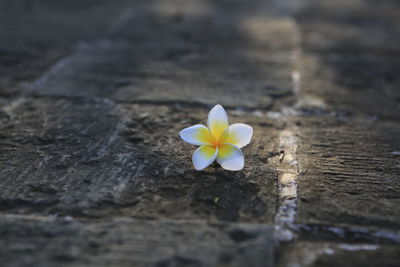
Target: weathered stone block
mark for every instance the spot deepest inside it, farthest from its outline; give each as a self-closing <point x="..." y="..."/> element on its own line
<point x="46" y="241"/>
<point x="165" y="73"/>
<point x="338" y="254"/>
<point x="349" y="174"/>
<point x="96" y="158"/>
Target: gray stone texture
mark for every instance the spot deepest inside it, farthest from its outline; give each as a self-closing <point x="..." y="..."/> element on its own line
<point x="93" y="158"/>
<point x="126" y="242"/>
<point x="350" y="171"/>
<point x="93" y="95"/>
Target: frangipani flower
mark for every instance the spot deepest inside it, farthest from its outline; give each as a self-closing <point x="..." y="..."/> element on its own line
<point x="218" y="141"/>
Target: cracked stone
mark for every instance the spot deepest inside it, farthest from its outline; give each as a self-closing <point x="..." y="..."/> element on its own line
<point x="95" y="158"/>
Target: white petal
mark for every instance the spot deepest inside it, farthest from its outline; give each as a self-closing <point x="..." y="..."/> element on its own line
<point x="239" y="134"/>
<point x="230" y="157"/>
<point x="204" y="156"/>
<point x="224" y="136"/>
<point x="197" y="135"/>
<point x="217" y="121"/>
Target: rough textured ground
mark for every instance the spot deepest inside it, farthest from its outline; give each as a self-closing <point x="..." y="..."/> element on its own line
<point x="94" y="93"/>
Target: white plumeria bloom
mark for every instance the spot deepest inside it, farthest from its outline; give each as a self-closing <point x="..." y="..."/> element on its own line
<point x="218" y="141"/>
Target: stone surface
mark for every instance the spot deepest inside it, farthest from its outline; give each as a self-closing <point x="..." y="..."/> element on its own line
<point x="351" y="26"/>
<point x="93" y="158"/>
<point x="94" y="93"/>
<point x="36" y="34"/>
<point x="337" y="254"/>
<point x="66" y="241"/>
<point x="178" y="70"/>
<point x="350" y="173"/>
<point x="345" y="164"/>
